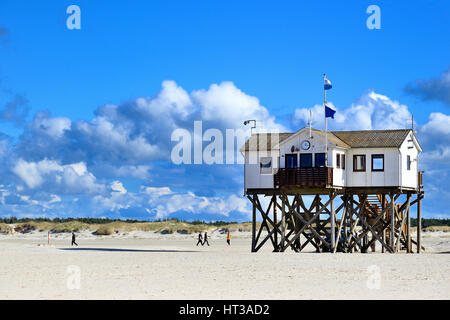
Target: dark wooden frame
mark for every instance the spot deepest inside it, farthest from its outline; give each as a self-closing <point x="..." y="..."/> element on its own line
<point x="354" y="162"/>
<point x="366" y="218"/>
<point x="338" y="160"/>
<point x="320" y="177"/>
<point x="377" y="156"/>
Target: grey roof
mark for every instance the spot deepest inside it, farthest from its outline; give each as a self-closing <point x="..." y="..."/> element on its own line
<point x="373" y="138"/>
<point x="256" y="141"/>
<point x="354" y="139"/>
<point x="332" y="138"/>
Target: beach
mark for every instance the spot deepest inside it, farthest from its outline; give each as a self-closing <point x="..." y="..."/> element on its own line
<point x="149" y="265"/>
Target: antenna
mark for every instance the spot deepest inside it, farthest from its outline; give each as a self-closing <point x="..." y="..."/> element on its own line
<point x="310" y="123"/>
<point x="246" y="122"/>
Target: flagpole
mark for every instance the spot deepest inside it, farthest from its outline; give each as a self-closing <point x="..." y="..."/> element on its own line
<point x="326" y="131"/>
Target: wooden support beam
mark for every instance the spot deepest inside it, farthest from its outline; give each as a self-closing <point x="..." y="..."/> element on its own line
<point x="343" y="218"/>
<point x="275" y="236"/>
<point x="254" y="223"/>
<point x="383" y="214"/>
<point x="266" y="219"/>
<point x="307" y="224"/>
<point x="408" y="224"/>
<point x="419" y="222"/>
<point x="392" y="215"/>
<point x="363" y="199"/>
<point x="397" y="244"/>
<point x="362" y="223"/>
<point x="332" y="221"/>
<point x="378" y="237"/>
<point x="283" y="221"/>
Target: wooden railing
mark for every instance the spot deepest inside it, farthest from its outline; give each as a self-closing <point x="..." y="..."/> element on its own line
<point x="304" y="177"/>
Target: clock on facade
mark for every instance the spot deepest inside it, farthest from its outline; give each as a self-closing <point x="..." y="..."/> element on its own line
<point x="306" y="144"/>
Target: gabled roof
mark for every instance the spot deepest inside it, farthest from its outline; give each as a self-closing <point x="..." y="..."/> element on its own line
<point x="256" y="141"/>
<point x="354" y="139"/>
<point x="373" y="138"/>
<point x="332" y="138"/>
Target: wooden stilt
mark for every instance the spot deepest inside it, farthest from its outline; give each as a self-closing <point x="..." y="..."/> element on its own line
<point x="419" y="222"/>
<point x="392" y="215"/>
<point x="363" y="218"/>
<point x="332" y="221"/>
<point x="408" y="224"/>
<point x="383" y="208"/>
<point x="276" y="245"/>
<point x="362" y="224"/>
<point x="254" y="224"/>
<point x="283" y="221"/>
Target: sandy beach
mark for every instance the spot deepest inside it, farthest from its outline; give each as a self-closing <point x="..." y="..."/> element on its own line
<point x="147" y="265"/>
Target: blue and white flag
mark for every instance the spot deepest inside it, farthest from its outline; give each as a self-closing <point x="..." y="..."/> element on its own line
<point x="329" y="113"/>
<point x="327" y="84"/>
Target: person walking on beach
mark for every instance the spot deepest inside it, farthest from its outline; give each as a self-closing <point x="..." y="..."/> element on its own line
<point x="73" y="239"/>
<point x="200" y="238"/>
<point x="228" y="237"/>
<point x="205" y="239"/>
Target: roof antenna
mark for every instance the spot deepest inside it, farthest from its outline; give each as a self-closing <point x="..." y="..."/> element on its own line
<point x="246" y="122"/>
<point x="310" y="123"/>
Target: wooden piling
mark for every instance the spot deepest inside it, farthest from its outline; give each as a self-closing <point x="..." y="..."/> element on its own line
<point x="254" y="224"/>
<point x="332" y="221"/>
<point x="392" y="215"/>
<point x="283" y="220"/>
<point x="419" y="221"/>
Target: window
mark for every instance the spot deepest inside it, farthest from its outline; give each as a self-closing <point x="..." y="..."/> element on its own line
<point x="319" y="159"/>
<point x="359" y="162"/>
<point x="305" y="160"/>
<point x="291" y="161"/>
<point x="408" y="162"/>
<point x="378" y="162"/>
<point x="343" y="161"/>
<point x="265" y="165"/>
<point x="338" y="160"/>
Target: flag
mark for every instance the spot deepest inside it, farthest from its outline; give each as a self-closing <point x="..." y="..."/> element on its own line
<point x="327" y="84"/>
<point x="329" y="113"/>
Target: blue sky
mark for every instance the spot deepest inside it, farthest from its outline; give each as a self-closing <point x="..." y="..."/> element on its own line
<point x="75" y="141"/>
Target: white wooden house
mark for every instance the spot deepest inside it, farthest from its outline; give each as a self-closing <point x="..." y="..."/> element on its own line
<point x="355" y="159"/>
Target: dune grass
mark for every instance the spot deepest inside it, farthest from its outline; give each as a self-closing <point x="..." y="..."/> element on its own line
<point x="72" y="226"/>
<point x="437" y="229"/>
<point x="164" y="227"/>
<point x="5" y="228"/>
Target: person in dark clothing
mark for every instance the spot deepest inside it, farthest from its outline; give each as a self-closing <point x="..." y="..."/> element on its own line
<point x="206" y="239"/>
<point x="200" y="238"/>
<point x="73" y="239"/>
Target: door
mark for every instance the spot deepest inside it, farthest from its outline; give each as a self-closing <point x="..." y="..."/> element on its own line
<point x="291" y="161"/>
<point x="305" y="160"/>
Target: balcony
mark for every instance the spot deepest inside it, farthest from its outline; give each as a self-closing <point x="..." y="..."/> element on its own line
<point x="321" y="177"/>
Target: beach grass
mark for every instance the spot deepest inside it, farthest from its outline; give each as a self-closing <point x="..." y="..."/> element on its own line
<point x="171" y="226"/>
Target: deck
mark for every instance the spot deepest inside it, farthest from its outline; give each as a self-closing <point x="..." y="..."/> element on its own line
<point x="320" y="177"/>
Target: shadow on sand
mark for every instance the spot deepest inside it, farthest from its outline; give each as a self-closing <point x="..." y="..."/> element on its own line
<point x="123" y="250"/>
